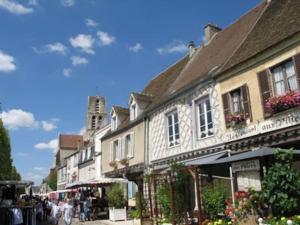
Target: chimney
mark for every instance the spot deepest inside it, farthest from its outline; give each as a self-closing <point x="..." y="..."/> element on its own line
<point x="210" y="30"/>
<point x="192" y="48"/>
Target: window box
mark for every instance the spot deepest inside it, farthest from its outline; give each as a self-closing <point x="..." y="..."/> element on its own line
<point x="113" y="164"/>
<point x="237" y="119"/>
<point x="124" y="162"/>
<point x="284" y="102"/>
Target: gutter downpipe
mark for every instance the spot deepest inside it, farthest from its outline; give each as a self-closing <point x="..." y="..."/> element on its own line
<point x="231" y="181"/>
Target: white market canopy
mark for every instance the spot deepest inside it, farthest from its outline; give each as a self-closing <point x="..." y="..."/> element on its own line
<point x="22" y="183"/>
<point x="98" y="182"/>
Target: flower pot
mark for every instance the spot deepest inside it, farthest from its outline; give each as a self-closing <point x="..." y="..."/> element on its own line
<point x="117" y="214"/>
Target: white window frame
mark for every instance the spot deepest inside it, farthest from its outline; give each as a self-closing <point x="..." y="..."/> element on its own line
<point x="203" y="100"/>
<point x="114" y="123"/>
<point x="174" y="142"/>
<point x="133" y="111"/>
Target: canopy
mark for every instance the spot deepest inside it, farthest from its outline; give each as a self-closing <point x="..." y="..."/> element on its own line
<point x="22" y="183"/>
<point x="260" y="152"/>
<point x="98" y="182"/>
<point x="207" y="159"/>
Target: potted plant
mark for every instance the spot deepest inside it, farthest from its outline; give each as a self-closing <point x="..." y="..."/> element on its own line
<point x="237" y="118"/>
<point x="117" y="204"/>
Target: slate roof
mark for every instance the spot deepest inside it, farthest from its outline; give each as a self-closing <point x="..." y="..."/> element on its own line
<point x="279" y="21"/>
<point x="218" y="50"/>
<point x="120" y="110"/>
<point x="70" y="142"/>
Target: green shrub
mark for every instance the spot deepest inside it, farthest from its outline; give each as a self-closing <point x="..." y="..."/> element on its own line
<point x="116" y="197"/>
<point x="213" y="199"/>
<point x="163" y="197"/>
<point x="281" y="186"/>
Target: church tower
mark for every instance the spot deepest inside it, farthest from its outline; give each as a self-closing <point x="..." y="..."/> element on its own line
<point x="96" y="115"/>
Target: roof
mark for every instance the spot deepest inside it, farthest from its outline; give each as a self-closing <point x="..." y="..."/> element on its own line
<point x="142" y="97"/>
<point x="70" y="142"/>
<point x="120" y="110"/>
<point x="279" y="21"/>
<point x="218" y="50"/>
<point x="156" y="89"/>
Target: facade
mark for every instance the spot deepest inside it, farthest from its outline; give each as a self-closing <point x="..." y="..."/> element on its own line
<point x="72" y="168"/>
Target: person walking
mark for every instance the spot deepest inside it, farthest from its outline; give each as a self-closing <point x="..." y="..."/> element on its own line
<point x="55" y="213"/>
<point x="68" y="212"/>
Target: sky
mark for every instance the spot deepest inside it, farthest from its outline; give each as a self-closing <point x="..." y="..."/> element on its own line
<point x="56" y="53"/>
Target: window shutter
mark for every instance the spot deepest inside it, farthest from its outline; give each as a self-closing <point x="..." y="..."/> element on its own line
<point x="297" y="67"/>
<point x="111" y="157"/>
<point x="265" y="90"/>
<point x="226" y="108"/>
<point x="246" y="101"/>
<point x="123" y="148"/>
<point x="131" y="147"/>
<point x="119" y="151"/>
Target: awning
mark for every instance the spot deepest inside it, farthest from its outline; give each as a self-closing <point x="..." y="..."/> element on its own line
<point x="98" y="182"/>
<point x="204" y="160"/>
<point x="264" y="151"/>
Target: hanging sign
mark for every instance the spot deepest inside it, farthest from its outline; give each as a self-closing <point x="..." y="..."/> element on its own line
<point x="248" y="165"/>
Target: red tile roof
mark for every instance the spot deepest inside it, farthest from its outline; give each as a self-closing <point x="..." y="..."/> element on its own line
<point x="70" y="141"/>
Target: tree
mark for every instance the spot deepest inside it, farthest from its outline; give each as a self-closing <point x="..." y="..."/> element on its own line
<point x="5" y="154"/>
<point x="281" y="185"/>
<point x="7" y="170"/>
<point x="52" y="182"/>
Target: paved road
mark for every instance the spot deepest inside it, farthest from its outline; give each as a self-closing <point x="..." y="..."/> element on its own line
<point x="97" y="222"/>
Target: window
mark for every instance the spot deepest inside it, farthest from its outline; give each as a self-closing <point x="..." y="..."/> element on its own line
<point x="204" y="118"/>
<point x="284" y="77"/>
<point x="93" y="122"/>
<point x="114" y="123"/>
<point x="97" y="106"/>
<point x="236" y="101"/>
<point x="115" y="150"/>
<point x="173" y="128"/>
<point x="133" y="112"/>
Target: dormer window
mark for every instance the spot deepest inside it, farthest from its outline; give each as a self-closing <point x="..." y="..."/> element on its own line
<point x="133" y="112"/>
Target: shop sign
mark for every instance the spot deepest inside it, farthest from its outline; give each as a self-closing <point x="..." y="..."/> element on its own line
<point x="249" y="165"/>
<point x="272" y="124"/>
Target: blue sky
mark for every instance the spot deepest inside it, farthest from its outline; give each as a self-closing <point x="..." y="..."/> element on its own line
<point x="55" y="53"/>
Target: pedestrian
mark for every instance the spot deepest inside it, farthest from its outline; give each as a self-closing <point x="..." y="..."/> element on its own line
<point x="55" y="213"/>
<point x="68" y="212"/>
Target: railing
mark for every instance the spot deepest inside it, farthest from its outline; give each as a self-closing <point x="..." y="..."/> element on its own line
<point x="7" y="217"/>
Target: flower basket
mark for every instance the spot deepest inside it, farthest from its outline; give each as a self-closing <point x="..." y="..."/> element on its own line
<point x="124" y="162"/>
<point x="113" y="164"/>
<point x="276" y="104"/>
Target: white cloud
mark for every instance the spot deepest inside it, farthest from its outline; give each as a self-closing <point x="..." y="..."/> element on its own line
<point x="52" y="48"/>
<point x="49" y="125"/>
<point x="52" y="145"/>
<point x="35" y="177"/>
<point x="90" y="22"/>
<point x="82" y="131"/>
<point x="7" y="62"/>
<point x="33" y="2"/>
<point x="84" y="42"/>
<point x="67" y="72"/>
<point x="77" y="60"/>
<point x="136" y="48"/>
<point x="173" y="47"/>
<point x="68" y="3"/>
<point x="39" y="168"/>
<point x="17" y="118"/>
<point x="105" y="38"/>
<point x="15" y="7"/>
